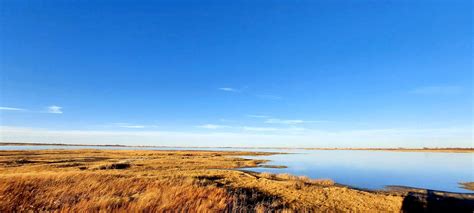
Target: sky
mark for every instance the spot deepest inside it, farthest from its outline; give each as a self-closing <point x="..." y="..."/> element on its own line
<point x="327" y="73"/>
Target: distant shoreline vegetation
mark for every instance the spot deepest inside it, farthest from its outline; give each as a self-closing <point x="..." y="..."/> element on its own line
<point x="422" y="149"/>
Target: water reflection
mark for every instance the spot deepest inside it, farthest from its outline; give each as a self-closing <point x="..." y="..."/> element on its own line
<point x="376" y="169"/>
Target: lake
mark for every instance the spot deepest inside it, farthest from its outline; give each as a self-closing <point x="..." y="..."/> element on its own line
<point x="361" y="169"/>
<point x="377" y="169"/>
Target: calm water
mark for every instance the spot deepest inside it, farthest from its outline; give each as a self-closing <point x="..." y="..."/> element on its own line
<point x="363" y="169"/>
<point x="377" y="169"/>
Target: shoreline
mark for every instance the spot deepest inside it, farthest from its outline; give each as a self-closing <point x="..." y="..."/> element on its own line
<point x="260" y="163"/>
<point x="399" y="149"/>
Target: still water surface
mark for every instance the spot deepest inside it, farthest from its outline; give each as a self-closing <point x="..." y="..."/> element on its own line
<point x="363" y="169"/>
<point x="377" y="169"/>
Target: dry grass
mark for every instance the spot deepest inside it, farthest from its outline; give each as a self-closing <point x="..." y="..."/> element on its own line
<point x="468" y="185"/>
<point x="204" y="181"/>
<point x="302" y="180"/>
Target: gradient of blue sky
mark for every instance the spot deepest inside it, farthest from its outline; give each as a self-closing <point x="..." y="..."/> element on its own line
<point x="394" y="71"/>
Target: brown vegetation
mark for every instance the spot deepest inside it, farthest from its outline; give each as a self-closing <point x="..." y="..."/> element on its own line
<point x="101" y="180"/>
<point x="468" y="185"/>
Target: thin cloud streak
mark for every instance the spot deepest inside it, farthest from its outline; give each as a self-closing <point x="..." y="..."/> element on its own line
<point x="287" y="122"/>
<point x="228" y="89"/>
<point x="261" y="96"/>
<point x="132" y="126"/>
<point x="212" y="126"/>
<point x="12" y="109"/>
<point x="53" y="109"/>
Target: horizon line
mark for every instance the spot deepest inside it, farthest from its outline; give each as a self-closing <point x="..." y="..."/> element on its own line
<point x="2" y="143"/>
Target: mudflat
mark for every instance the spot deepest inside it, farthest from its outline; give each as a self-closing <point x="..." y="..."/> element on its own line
<point x="121" y="180"/>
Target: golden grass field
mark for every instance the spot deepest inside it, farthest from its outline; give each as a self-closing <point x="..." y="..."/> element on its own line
<point x="176" y="181"/>
<point x="468" y="185"/>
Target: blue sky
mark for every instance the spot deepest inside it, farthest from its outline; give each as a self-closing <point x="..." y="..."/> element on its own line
<point x="237" y="73"/>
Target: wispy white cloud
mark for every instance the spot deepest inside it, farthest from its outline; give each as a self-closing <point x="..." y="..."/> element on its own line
<point x="437" y="90"/>
<point x="241" y="90"/>
<point x="229" y="89"/>
<point x="12" y="109"/>
<point x="132" y="126"/>
<point x="270" y="120"/>
<point x="212" y="126"/>
<point x="55" y="109"/>
<point x="280" y="121"/>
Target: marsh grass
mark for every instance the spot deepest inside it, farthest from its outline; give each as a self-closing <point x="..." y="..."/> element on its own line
<point x="467" y="185"/>
<point x="160" y="181"/>
<point x="297" y="180"/>
<point x="118" y="165"/>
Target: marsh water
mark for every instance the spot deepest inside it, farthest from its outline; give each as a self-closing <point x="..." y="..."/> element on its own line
<point x="361" y="169"/>
<point x="377" y="169"/>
